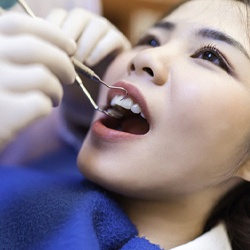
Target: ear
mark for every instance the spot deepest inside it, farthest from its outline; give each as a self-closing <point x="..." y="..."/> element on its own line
<point x="244" y="171"/>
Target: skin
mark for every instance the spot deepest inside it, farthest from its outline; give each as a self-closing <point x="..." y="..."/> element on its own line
<point x="196" y="149"/>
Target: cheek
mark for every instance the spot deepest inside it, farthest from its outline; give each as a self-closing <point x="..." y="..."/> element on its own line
<point x="209" y="103"/>
<point x="209" y="117"/>
<point x="218" y="112"/>
<point x="193" y="107"/>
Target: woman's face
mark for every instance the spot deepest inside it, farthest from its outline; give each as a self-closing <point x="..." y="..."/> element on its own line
<point x="190" y="76"/>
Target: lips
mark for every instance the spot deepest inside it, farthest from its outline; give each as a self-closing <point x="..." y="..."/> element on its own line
<point x="134" y="94"/>
<point x="135" y="121"/>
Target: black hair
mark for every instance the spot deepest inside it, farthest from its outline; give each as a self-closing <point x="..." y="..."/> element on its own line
<point x="234" y="210"/>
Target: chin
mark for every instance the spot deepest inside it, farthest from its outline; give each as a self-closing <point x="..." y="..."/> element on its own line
<point x="113" y="177"/>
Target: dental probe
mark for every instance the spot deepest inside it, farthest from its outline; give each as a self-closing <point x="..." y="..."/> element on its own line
<point x="89" y="73"/>
<point x="86" y="71"/>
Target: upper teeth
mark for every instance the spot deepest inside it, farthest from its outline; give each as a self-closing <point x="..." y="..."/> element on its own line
<point x="126" y="103"/>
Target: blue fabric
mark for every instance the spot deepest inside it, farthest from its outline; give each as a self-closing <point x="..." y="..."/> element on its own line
<point x="49" y="205"/>
<point x="137" y="243"/>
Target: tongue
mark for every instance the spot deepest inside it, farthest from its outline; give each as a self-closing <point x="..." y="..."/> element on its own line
<point x="135" y="125"/>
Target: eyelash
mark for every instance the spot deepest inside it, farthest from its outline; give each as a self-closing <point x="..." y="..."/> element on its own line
<point x="212" y="50"/>
<point x="148" y="40"/>
<point x="222" y="62"/>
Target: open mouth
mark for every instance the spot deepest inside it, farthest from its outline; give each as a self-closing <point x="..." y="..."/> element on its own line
<point x="132" y="119"/>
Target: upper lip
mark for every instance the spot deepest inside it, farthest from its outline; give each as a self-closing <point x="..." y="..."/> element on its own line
<point x="134" y="93"/>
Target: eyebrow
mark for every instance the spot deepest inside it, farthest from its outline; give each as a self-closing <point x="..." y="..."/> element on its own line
<point x="165" y="25"/>
<point x="220" y="36"/>
<point x="209" y="34"/>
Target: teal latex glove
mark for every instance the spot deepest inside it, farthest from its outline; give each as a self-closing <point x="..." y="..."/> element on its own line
<point x="6" y="4"/>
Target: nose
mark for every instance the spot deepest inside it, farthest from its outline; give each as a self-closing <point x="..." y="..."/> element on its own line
<point x="150" y="64"/>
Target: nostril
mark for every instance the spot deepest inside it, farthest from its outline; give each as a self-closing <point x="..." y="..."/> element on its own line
<point x="132" y="67"/>
<point x="149" y="71"/>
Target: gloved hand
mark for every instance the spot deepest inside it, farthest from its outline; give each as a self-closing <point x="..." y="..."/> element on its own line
<point x="96" y="38"/>
<point x="34" y="61"/>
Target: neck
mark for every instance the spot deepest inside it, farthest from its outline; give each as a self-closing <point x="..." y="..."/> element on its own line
<point x="170" y="223"/>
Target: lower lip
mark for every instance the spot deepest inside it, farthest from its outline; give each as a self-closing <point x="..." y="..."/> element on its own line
<point x="100" y="131"/>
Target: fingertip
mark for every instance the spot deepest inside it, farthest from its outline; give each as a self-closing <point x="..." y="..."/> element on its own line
<point x="72" y="47"/>
<point x="73" y="79"/>
<point x="70" y="78"/>
<point x="95" y="57"/>
<point x="91" y="62"/>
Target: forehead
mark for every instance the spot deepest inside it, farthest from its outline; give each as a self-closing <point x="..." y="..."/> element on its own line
<point x="227" y="16"/>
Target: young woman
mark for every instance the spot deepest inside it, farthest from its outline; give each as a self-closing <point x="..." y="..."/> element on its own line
<point x="189" y="75"/>
<point x="177" y="162"/>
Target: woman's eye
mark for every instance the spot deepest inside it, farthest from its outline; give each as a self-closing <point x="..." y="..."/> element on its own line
<point x="148" y="41"/>
<point x="213" y="55"/>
